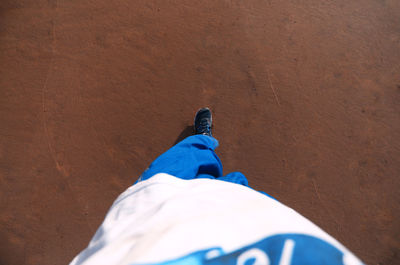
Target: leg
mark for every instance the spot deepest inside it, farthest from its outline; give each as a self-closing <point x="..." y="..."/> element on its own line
<point x="194" y="157"/>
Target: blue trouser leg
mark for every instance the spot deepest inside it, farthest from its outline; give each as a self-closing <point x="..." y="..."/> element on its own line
<point x="192" y="158"/>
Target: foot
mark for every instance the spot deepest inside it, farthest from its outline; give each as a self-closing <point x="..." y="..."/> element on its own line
<point x="203" y="122"/>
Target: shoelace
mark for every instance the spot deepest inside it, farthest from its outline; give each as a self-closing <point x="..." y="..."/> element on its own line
<point x="203" y="126"/>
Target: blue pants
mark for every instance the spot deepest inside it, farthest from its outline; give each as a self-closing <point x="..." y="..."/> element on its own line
<point x="192" y="158"/>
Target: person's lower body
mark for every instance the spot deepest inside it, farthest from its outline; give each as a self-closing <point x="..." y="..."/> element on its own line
<point x="192" y="158"/>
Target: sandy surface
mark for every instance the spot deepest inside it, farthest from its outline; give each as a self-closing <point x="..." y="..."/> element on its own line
<point x="305" y="97"/>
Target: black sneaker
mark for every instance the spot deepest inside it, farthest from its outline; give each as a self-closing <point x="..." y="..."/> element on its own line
<point x="203" y="122"/>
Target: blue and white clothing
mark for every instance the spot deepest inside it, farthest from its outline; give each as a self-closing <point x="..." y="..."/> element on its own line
<point x="183" y="211"/>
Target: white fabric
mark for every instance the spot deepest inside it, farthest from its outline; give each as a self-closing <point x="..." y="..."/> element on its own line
<point x="165" y="217"/>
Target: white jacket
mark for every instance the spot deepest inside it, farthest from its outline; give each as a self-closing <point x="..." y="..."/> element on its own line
<point x="167" y="220"/>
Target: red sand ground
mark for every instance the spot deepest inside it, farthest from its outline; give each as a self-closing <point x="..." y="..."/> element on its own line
<point x="305" y="97"/>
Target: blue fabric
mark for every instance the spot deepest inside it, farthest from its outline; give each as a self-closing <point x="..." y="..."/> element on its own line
<point x="193" y="158"/>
